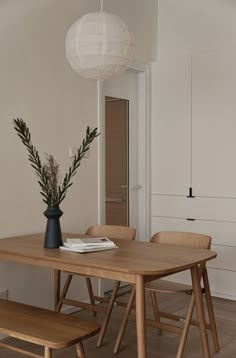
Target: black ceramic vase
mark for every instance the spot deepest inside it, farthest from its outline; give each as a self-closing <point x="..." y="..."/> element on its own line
<point x="53" y="238"/>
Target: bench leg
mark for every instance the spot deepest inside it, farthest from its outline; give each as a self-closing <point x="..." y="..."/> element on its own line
<point x="80" y="350"/>
<point x="48" y="352"/>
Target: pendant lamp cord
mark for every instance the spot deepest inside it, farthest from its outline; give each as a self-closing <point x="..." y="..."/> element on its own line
<point x="101" y="6"/>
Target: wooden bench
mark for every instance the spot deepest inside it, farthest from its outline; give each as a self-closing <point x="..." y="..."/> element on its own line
<point x="49" y="329"/>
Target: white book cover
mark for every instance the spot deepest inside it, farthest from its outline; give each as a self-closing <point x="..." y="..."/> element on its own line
<point x="84" y="250"/>
<point x="89" y="242"/>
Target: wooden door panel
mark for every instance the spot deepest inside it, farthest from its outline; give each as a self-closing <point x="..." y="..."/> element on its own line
<point x="116" y="114"/>
<point x="116" y="214"/>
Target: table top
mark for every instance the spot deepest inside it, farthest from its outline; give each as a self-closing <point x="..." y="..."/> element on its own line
<point x="131" y="257"/>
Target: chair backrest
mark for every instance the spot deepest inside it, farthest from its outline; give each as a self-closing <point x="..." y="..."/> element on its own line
<point x="112" y="231"/>
<point x="186" y="239"/>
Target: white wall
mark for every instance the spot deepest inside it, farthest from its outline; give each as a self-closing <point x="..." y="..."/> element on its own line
<point x="38" y="85"/>
<point x="192" y="26"/>
<point x="141" y="18"/>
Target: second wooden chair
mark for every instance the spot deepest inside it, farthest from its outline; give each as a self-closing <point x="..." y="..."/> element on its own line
<point x="184" y="239"/>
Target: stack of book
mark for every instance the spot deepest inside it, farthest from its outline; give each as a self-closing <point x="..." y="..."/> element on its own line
<point x="89" y="244"/>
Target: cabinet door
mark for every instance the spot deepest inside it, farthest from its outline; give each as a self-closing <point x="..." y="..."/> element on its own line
<point x="171" y="125"/>
<point x="214" y="124"/>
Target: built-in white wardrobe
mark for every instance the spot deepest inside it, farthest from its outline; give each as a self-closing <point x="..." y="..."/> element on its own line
<point x="193" y="148"/>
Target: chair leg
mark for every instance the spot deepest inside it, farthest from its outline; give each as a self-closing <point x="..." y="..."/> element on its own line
<point x="48" y="352"/>
<point x="57" y="288"/>
<point x="108" y="313"/>
<point x="210" y="311"/>
<point x="155" y="309"/>
<point x="186" y="328"/>
<point x="64" y="292"/>
<point x="189" y="314"/>
<point x="80" y="350"/>
<point x="124" y="321"/>
<point x="91" y="295"/>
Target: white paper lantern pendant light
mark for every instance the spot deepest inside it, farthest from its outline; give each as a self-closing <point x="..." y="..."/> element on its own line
<point x="99" y="46"/>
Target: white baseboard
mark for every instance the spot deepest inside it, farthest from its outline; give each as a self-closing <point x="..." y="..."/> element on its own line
<point x="223" y="295"/>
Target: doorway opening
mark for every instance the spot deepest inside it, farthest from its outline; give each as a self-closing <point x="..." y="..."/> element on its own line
<point x="116" y="169"/>
<point x="116" y="161"/>
<point x="133" y="86"/>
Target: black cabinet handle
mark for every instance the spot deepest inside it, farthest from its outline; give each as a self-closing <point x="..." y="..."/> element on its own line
<point x="190" y="195"/>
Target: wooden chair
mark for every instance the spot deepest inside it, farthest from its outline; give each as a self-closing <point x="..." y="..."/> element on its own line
<point x="184" y="239"/>
<point x="46" y="328"/>
<point x="112" y="232"/>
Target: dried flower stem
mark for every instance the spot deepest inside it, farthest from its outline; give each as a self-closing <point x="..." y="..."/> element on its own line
<point x="48" y="174"/>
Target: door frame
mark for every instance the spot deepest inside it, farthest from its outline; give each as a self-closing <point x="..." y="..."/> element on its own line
<point x="144" y="145"/>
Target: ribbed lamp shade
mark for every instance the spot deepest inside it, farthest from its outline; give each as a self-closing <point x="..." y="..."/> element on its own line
<point x="99" y="46"/>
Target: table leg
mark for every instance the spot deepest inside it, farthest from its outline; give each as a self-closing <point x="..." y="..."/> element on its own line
<point x="140" y="317"/>
<point x="200" y="310"/>
<point x="57" y="287"/>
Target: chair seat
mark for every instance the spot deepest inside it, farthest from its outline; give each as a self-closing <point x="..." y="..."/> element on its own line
<point x="168" y="286"/>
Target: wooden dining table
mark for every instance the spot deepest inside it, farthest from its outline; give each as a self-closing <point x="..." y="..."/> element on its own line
<point x="133" y="262"/>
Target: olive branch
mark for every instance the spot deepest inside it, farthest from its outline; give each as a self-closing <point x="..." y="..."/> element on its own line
<point x="48" y="174"/>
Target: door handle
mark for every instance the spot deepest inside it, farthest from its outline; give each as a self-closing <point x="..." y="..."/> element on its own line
<point x="136" y="187"/>
<point x="113" y="200"/>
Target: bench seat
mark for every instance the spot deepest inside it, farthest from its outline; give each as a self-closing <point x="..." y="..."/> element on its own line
<point x="44" y="327"/>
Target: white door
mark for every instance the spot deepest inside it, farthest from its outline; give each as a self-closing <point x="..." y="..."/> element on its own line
<point x="126" y="87"/>
<point x="171" y="126"/>
<point x="214" y="124"/>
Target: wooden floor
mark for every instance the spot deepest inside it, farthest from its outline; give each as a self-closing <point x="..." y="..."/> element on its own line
<point x="163" y="346"/>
